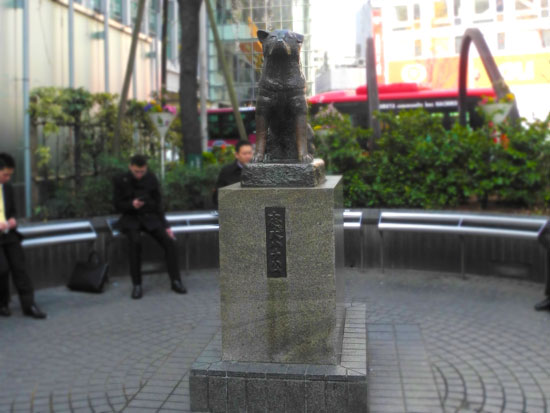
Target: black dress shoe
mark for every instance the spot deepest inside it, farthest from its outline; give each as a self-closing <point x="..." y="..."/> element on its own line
<point x="178" y="287"/>
<point x="137" y="292"/>
<point x="543" y="305"/>
<point x="34" y="312"/>
<point x="5" y="311"/>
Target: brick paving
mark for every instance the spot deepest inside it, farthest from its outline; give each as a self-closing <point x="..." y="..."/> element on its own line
<point x="435" y="343"/>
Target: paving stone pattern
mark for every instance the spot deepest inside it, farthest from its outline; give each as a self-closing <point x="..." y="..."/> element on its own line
<point x="485" y="347"/>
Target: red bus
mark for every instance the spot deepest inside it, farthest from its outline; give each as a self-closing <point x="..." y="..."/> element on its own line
<point x="403" y="96"/>
<point x="222" y="128"/>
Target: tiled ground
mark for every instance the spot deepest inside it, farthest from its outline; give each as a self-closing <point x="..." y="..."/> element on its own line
<point x="436" y="343"/>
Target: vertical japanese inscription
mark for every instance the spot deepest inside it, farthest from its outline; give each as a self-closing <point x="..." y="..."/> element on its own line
<point x="275" y="242"/>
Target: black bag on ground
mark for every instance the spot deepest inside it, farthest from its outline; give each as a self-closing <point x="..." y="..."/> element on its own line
<point x="89" y="276"/>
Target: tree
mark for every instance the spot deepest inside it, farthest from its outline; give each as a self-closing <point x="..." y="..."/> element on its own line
<point x="128" y="75"/>
<point x="189" y="20"/>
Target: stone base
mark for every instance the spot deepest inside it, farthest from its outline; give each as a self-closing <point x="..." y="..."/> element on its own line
<point x="223" y="386"/>
<point x="270" y="175"/>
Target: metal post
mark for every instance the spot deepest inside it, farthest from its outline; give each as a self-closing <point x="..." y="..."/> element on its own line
<point x="372" y="81"/>
<point x="203" y="33"/>
<point x="462" y="258"/>
<point x="71" y="43"/>
<point x="362" y="244"/>
<point x="106" y="40"/>
<point x="382" y="250"/>
<point x="26" y="115"/>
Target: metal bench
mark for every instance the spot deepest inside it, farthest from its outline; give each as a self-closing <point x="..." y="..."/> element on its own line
<point x="51" y="234"/>
<point x="181" y="224"/>
<point x="354" y="220"/>
<point x="461" y="225"/>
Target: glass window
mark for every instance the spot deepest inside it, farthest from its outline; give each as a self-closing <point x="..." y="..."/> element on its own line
<point x="153" y="12"/>
<point x="116" y="10"/>
<point x="456" y="7"/>
<point x="501" y="41"/>
<point x="416" y="11"/>
<point x="481" y="6"/>
<point x="545" y="38"/>
<point x="543" y="3"/>
<point x="401" y="13"/>
<point x="500" y="6"/>
<point x="440" y="9"/>
<point x="96" y="5"/>
<point x="458" y="44"/>
<point x="418" y="47"/>
<point x="522" y="4"/>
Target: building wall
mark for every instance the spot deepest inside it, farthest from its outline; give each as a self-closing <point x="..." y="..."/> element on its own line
<point x="49" y="60"/>
<point x="237" y="22"/>
<point x="421" y="41"/>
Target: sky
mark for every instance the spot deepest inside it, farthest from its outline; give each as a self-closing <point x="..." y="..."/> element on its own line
<point x="333" y="27"/>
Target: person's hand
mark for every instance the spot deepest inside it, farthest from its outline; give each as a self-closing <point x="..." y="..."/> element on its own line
<point x="170" y="233"/>
<point x="4" y="225"/>
<point x="137" y="203"/>
<point x="12" y="223"/>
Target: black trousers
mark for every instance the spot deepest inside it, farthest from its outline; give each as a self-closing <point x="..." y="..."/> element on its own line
<point x="12" y="260"/>
<point x="134" y="252"/>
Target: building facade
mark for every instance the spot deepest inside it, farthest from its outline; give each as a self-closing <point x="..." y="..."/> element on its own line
<point x="419" y="41"/>
<point x="238" y="22"/>
<point x="48" y="50"/>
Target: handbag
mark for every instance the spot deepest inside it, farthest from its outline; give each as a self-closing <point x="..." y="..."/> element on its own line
<point x="89" y="276"/>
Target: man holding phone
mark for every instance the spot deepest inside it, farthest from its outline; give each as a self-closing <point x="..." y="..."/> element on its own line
<point x="137" y="197"/>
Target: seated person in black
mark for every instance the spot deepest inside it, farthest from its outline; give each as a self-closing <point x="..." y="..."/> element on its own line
<point x="137" y="197"/>
<point x="12" y="256"/>
<point x="231" y="174"/>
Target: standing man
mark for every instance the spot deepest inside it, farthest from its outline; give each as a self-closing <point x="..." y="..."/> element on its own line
<point x="137" y="197"/>
<point x="231" y="174"/>
<point x="12" y="257"/>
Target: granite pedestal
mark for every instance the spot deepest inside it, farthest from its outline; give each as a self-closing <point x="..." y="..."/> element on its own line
<point x="282" y="307"/>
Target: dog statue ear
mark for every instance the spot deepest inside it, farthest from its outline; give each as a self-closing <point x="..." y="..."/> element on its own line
<point x="299" y="37"/>
<point x="262" y="35"/>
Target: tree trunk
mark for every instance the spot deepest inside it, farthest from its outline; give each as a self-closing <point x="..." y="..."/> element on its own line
<point x="189" y="56"/>
<point x="163" y="57"/>
<point x="128" y="75"/>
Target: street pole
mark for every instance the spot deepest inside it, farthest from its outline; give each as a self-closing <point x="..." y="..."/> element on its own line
<point x="203" y="33"/>
<point x="26" y="115"/>
<point x="372" y="81"/>
<point x="71" y="44"/>
<point x="106" y="40"/>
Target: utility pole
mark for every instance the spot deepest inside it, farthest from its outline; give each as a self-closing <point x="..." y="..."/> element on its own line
<point x="372" y="81"/>
<point x="26" y="115"/>
<point x="203" y="75"/>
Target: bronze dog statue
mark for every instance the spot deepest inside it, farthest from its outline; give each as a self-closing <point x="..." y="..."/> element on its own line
<point x="282" y="132"/>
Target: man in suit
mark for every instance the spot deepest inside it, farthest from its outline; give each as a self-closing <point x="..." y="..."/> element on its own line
<point x="137" y="197"/>
<point x="12" y="257"/>
<point x="231" y="174"/>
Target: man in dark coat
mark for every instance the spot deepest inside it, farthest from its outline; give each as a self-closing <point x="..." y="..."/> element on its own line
<point x="12" y="257"/>
<point x="231" y="174"/>
<point x="137" y="197"/>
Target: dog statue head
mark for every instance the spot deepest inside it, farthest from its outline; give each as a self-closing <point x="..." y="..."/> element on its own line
<point x="280" y="42"/>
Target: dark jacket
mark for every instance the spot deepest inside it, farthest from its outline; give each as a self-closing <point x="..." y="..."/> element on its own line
<point x="151" y="215"/>
<point x="10" y="212"/>
<point x="230" y="174"/>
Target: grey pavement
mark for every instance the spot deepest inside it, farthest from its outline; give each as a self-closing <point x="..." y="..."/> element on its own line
<point x="436" y="343"/>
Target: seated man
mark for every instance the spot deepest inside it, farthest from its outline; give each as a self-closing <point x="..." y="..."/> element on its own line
<point x="231" y="174"/>
<point x="12" y="257"/>
<point x="137" y="197"/>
